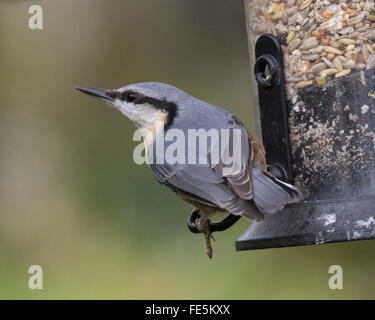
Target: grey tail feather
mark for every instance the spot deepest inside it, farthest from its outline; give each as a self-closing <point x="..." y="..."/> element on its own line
<point x="271" y="194"/>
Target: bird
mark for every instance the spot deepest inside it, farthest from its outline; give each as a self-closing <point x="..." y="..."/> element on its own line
<point x="250" y="192"/>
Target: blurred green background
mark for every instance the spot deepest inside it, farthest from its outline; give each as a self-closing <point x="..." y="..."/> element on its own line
<point x="71" y="198"/>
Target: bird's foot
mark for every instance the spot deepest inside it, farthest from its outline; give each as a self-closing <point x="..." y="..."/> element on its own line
<point x="203" y="224"/>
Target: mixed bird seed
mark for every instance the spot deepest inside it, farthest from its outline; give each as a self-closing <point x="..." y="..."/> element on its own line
<point x="321" y="39"/>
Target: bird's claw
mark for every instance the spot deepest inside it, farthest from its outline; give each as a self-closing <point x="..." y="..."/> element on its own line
<point x="226" y="223"/>
<point x="203" y="224"/>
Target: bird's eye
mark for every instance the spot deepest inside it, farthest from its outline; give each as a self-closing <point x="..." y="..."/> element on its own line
<point x="130" y="96"/>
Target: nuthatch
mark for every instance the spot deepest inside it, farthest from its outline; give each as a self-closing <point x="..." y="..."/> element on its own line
<point x="250" y="192"/>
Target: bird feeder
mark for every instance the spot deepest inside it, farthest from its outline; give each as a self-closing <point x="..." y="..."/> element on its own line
<point x="314" y="79"/>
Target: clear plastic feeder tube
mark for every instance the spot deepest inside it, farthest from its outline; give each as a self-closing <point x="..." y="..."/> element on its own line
<point x="329" y="64"/>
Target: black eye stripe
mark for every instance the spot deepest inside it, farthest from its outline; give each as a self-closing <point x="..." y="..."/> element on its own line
<point x="129" y="96"/>
<point x="137" y="98"/>
<point x="163" y="105"/>
<point x="113" y="94"/>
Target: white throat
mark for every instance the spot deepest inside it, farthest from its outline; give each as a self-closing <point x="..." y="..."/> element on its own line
<point x="147" y="118"/>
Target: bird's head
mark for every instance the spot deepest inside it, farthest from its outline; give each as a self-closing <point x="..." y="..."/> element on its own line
<point x="143" y="103"/>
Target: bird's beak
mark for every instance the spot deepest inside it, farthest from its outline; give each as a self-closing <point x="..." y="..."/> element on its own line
<point x="98" y="93"/>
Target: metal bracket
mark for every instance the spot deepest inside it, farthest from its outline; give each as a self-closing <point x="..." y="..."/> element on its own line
<point x="269" y="74"/>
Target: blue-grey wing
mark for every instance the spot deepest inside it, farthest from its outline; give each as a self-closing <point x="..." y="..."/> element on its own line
<point x="211" y="183"/>
<point x="182" y="179"/>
